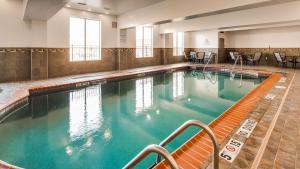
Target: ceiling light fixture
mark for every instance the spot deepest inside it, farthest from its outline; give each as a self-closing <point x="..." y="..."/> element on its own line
<point x="89" y="9"/>
<point x="68" y="6"/>
<point x="107" y="13"/>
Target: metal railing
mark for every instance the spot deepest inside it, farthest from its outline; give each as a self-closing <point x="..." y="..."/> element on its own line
<point x="152" y="149"/>
<point x="209" y="59"/>
<point x="172" y="136"/>
<point x="238" y="57"/>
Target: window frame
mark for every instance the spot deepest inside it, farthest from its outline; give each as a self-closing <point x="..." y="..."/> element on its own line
<point x="144" y="53"/>
<point x="99" y="58"/>
<point x="178" y="51"/>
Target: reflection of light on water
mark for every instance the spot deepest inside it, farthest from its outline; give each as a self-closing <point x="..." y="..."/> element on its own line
<point x="157" y="112"/>
<point x="85" y="112"/>
<point x="89" y="142"/>
<point x="144" y="94"/>
<point x="69" y="150"/>
<point x="107" y="134"/>
<point x="189" y="99"/>
<point x="148" y="117"/>
<point x="178" y="84"/>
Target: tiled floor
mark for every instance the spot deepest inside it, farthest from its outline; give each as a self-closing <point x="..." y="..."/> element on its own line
<point x="283" y="147"/>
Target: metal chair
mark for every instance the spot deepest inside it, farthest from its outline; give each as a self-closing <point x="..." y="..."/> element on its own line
<point x="193" y="57"/>
<point x="200" y="57"/>
<point x="254" y="59"/>
<point x="186" y="58"/>
<point x="280" y="61"/>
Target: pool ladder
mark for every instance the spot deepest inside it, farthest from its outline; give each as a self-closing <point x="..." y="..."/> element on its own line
<point x="162" y="152"/>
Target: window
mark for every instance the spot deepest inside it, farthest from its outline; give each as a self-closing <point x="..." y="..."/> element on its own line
<point x="144" y="94"/>
<point x="178" y="43"/>
<point x="178" y="84"/>
<point x="144" y="41"/>
<point x="85" y="112"/>
<point x="85" y="35"/>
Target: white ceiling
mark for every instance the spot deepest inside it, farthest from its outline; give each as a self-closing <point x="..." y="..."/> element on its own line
<point x="113" y="7"/>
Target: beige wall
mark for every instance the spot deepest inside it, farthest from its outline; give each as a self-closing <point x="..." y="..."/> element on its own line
<point x="284" y="37"/>
<point x="203" y="39"/>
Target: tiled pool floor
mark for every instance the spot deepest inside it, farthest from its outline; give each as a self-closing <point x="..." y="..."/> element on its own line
<point x="282" y="149"/>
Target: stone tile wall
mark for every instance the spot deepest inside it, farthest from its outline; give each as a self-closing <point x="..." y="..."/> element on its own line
<point x="59" y="64"/>
<point x="15" y="64"/>
<point x="42" y="63"/>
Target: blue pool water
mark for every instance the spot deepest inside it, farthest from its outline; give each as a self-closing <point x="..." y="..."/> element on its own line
<point x="104" y="126"/>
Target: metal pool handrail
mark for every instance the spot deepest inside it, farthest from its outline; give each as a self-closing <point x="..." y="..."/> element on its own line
<point x="239" y="57"/>
<point x="210" y="58"/>
<point x="199" y="124"/>
<point x="153" y="148"/>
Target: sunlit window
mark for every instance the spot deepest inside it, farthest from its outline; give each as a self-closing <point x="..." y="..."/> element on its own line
<point x="85" y="35"/>
<point x="144" y="41"/>
<point x="144" y="94"/>
<point x="85" y="112"/>
<point x="178" y="43"/>
<point x="178" y="84"/>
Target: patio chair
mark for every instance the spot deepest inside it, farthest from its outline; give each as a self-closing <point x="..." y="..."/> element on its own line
<point x="254" y="59"/>
<point x="280" y="61"/>
<point x="186" y="58"/>
<point x="200" y="57"/>
<point x="193" y="57"/>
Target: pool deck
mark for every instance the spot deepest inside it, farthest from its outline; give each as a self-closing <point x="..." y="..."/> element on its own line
<point x="274" y="143"/>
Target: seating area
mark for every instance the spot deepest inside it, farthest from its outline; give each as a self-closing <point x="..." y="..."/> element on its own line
<point x="260" y="58"/>
<point x="199" y="57"/>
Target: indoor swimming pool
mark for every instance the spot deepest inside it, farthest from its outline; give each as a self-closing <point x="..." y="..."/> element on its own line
<point x="106" y="125"/>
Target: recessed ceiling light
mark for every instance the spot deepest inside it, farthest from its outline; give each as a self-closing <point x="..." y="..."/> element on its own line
<point x="68" y="6"/>
<point x="89" y="9"/>
<point x="107" y="13"/>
